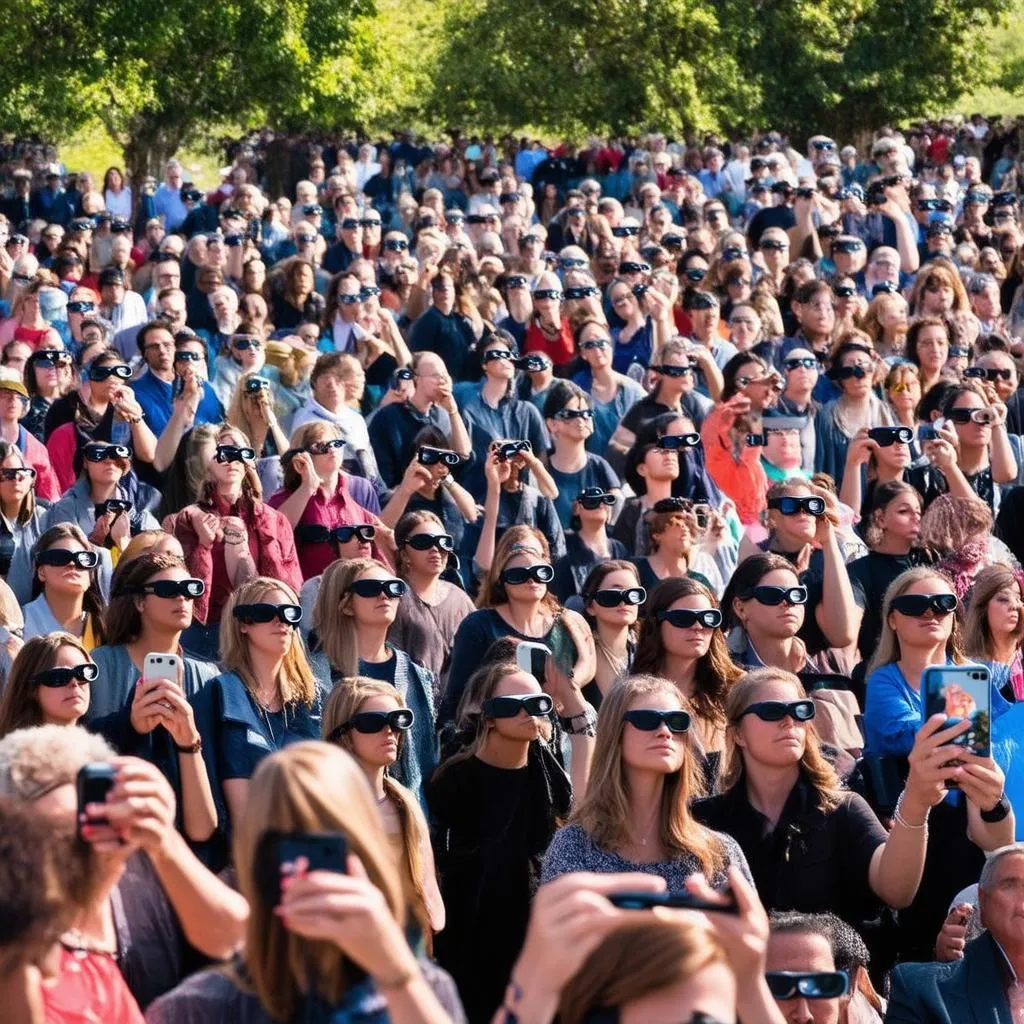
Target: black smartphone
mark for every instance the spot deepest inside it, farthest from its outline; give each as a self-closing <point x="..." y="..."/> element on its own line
<point x="680" y="900"/>
<point x="324" y="851"/>
<point x="178" y="388"/>
<point x="927" y="432"/>
<point x="756" y="440"/>
<point x="92" y="785"/>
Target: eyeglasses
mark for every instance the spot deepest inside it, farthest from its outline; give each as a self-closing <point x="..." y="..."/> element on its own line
<point x="61" y="557"/>
<point x="97" y="374"/>
<point x="370" y="222"/>
<point x="687" y="618"/>
<point x="595" y="343"/>
<point x="857" y="372"/>
<point x="100" y="453"/>
<point x="917" y="605"/>
<point x="574" y="414"/>
<point x="232" y="453"/>
<point x="370" y="722"/>
<point x="508" y="449"/>
<point x="169" y="589"/>
<point x="696" y="274"/>
<point x="55" y="678"/>
<point x="516" y="576"/>
<point x="613" y="598"/>
<point x="650" y="720"/>
<point x="805" y="363"/>
<point x="592" y="498"/>
<point x="536" y="705"/>
<point x="774" y="245"/>
<point x="391" y="589"/>
<point x="777" y="710"/>
<point x="395" y="245"/>
<point x="885" y="437"/>
<point x="349" y="300"/>
<point x="49" y="358"/>
<point x="988" y="373"/>
<point x="325" y="447"/>
<point x="426" y="541"/>
<point x="427" y="456"/>
<point x="671" y="371"/>
<point x="773" y="596"/>
<point x="16" y="473"/>
<point x="582" y="292"/>
<point x="983" y="417"/>
<point x="821" y="985"/>
<point x="262" y="613"/>
<point x="243" y="343"/>
<point x="317" y="533"/>
<point x="492" y="354"/>
<point x="672" y="442"/>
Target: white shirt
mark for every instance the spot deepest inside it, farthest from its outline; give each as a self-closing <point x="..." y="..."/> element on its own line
<point x="119" y="203"/>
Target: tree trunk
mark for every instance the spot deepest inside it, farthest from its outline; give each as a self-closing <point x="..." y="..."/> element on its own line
<point x="148" y="147"/>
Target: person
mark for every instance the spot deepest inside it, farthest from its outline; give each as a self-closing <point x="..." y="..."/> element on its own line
<point x="442" y="330"/>
<point x="432" y="608"/>
<point x="495" y="804"/>
<point x="47" y="378"/>
<point x="514" y="601"/>
<point x="266" y="697"/>
<point x="297" y="301"/>
<point x="367" y="718"/>
<point x="13" y="405"/>
<point x="994" y="626"/>
<point x="929" y="339"/>
<point x="363" y="964"/>
<point x="228" y="534"/>
<point x="944" y="993"/>
<point x="675" y="546"/>
<point x="21" y="522"/>
<point x="49" y="683"/>
<point x="65" y="588"/>
<point x="587" y="543"/>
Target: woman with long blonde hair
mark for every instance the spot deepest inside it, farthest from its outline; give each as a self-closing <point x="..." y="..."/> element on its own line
<point x="367" y="718"/>
<point x="354" y="612"/>
<point x="886" y="324"/>
<point x="322" y="942"/>
<point x="267" y="696"/>
<point x="994" y="628"/>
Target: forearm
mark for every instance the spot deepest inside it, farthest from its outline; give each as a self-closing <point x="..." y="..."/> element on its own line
<point x="989" y="835"/>
<point x="543" y="480"/>
<point x="713" y="378"/>
<point x="957" y="483"/>
<point x="295" y="504"/>
<point x="460" y="435"/>
<point x="415" y="1003"/>
<point x="143" y="441"/>
<point x="395" y="508"/>
<point x="839" y="610"/>
<point x="416" y="305"/>
<point x="464" y="502"/>
<point x="1004" y="465"/>
<point x="581" y="758"/>
<point x="850" y="494"/>
<point x="170" y="439"/>
<point x="279" y="436"/>
<point x="755" y="1004"/>
<point x="212" y="915"/>
<point x="906" y="245"/>
<point x="198" y="811"/>
<point x="484" y="554"/>
<point x="897" y="867"/>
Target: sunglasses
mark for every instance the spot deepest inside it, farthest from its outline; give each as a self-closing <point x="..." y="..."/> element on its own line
<point x="687" y="618"/>
<point x="988" y="373"/>
<point x="369" y="722"/>
<point x="983" y="417"/>
<point x="395" y="245"/>
<point x="81" y="307"/>
<point x="427" y="456"/>
<point x="349" y="300"/>
<point x="899" y="387"/>
<point x="671" y="371"/>
<point x="672" y="505"/>
<point x="243" y="344"/>
<point x="917" y="605"/>
<point x="774" y="245"/>
<point x="48" y="358"/>
<point x="583" y="292"/>
<point x="325" y="447"/>
<point x="542" y="572"/>
<point x="536" y="705"/>
<point x="533" y="363"/>
<point x="614" y="598"/>
<point x="491" y="354"/>
<point x="696" y="274"/>
<point x="168" y="589"/>
<point x="60" y="557"/>
<point x="262" y="613"/>
<point x="805" y="363"/>
<point x="672" y="442"/>
<point x="625" y="231"/>
<point x="548" y="293"/>
<point x="650" y="720"/>
<point x="847" y="246"/>
<point x="777" y="710"/>
<point x="232" y="453"/>
<point x="114" y="505"/>
<point x="629" y="267"/>
<point x="55" y="678"/>
<point x="593" y="498"/>
<point x="370" y="222"/>
<point x="848" y="372"/>
<point x="821" y="985"/>
<point x="574" y="414"/>
<point x="790" y="506"/>
<point x="100" y="453"/>
<point x="368" y="292"/>
<point x="350" y="224"/>
<point x="378" y="588"/>
<point x="16" y="473"/>
<point x="595" y="343"/>
<point x="885" y="437"/>
<point x="426" y="541"/>
<point x="571" y="262"/>
<point x="316" y="533"/>
<point x="773" y="596"/>
<point x="190" y="357"/>
<point x="515" y="281"/>
<point x="102" y="373"/>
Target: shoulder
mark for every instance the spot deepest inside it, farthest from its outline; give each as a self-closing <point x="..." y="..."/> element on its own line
<point x="208" y="996"/>
<point x="456" y="597"/>
<point x="568" y="849"/>
<point x="478" y="621"/>
<point x="884" y="676"/>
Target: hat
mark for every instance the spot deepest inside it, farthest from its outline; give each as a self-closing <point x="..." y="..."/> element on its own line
<point x="22" y="172"/>
<point x="13" y="385"/>
<point x="111" y="275"/>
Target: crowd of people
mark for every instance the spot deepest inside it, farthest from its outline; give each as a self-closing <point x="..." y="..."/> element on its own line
<point x="486" y="582"/>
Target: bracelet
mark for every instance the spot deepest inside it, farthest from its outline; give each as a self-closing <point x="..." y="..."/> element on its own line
<point x="582" y="724"/>
<point x="192" y="748"/>
<point x="898" y="817"/>
<point x="997" y="813"/>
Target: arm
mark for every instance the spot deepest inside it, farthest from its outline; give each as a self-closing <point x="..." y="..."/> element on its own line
<point x="906" y="243"/>
<point x="235" y="791"/>
<point x="415" y="477"/>
<point x="484" y="554"/>
<point x="544" y="481"/>
<point x="837" y="614"/>
<point x="183" y="418"/>
<point x="295" y="504"/>
<point x="464" y="501"/>
<point x="708" y="366"/>
<point x="858" y="453"/>
<point x="803" y="229"/>
<point x="1004" y="465"/>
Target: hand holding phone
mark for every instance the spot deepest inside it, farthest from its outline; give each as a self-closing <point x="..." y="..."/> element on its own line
<point x="93" y="783"/>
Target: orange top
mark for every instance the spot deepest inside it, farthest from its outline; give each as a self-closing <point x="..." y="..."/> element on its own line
<point x="738" y="473"/>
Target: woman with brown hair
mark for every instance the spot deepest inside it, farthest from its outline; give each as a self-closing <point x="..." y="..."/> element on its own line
<point x="994" y="628"/>
<point x="929" y="340"/>
<point x="368" y="719"/>
<point x="21" y="520"/>
<point x="938" y="292"/>
<point x="886" y="324"/>
<point x="297" y="301"/>
<point x="674" y="546"/>
<point x="251" y="410"/>
<point x="228" y="535"/>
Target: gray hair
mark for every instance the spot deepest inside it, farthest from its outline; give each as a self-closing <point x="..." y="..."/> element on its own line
<point x="993" y="860"/>
<point x="35" y="761"/>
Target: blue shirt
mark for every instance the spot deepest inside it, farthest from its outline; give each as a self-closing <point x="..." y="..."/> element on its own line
<point x="169" y="205"/>
<point x="154" y="395"/>
<point x="596" y="473"/>
<point x="608" y="415"/>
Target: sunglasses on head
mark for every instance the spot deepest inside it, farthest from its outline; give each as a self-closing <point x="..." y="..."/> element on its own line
<point x="55" y="678"/>
<point x="232" y="453"/>
<point x="650" y="720"/>
<point x="671" y="371"/>
<point x="592" y="498"/>
<point x="988" y="373"/>
<point x="574" y="414"/>
<point x="369" y="722"/>
<point x="536" y="705"/>
<point x="818" y="985"/>
<point x="541" y="572"/>
<point x="325" y="447"/>
<point x="17" y="473"/>
<point x="99" y="453"/>
<point x="777" y="710"/>
<point x="884" y="437"/>
<point x="391" y="589"/>
<point x="262" y="613"/>
<point x="595" y="343"/>
<point x="426" y="541"/>
<point x="101" y="373"/>
<point x="168" y="589"/>
<point x="983" y="417"/>
<point x="772" y="596"/>
<point x="612" y="598"/>
<point x="791" y="506"/>
<point x="687" y="618"/>
<point x="60" y="557"/>
<point x="428" y="456"/>
<point x="803" y="363"/>
<point x="916" y="605"/>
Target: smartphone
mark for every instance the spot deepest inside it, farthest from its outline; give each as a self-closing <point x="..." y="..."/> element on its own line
<point x="682" y="900"/>
<point x="324" y="851"/>
<point x="160" y="667"/>
<point x="178" y="388"/>
<point x="959" y="692"/>
<point x="93" y="784"/>
<point x="756" y="440"/>
<point x="927" y="432"/>
<point x="531" y="657"/>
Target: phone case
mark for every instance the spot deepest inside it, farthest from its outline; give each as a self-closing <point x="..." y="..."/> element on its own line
<point x="959" y="692"/>
<point x="160" y="667"/>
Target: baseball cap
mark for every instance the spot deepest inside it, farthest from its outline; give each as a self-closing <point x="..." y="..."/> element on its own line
<point x="13" y="385"/>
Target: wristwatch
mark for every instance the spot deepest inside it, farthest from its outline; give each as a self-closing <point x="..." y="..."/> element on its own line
<point x="998" y="813"/>
<point x="193" y="748"/>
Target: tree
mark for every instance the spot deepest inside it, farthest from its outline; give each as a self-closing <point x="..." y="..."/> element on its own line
<point x="156" y="76"/>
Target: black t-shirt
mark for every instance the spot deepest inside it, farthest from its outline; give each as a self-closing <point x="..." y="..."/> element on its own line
<point x="812" y="861"/>
<point x="642" y="413"/>
<point x="382" y="671"/>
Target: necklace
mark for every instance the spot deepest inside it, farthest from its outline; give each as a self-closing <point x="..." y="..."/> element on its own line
<point x="620" y="666"/>
<point x="647" y="830"/>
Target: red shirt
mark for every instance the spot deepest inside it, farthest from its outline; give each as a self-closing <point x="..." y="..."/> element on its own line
<point x="90" y="988"/>
<point x="561" y="349"/>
